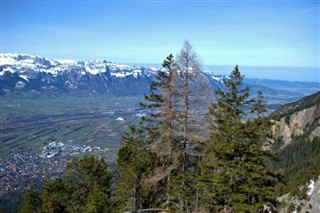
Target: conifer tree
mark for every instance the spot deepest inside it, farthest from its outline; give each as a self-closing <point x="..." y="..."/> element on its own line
<point x="81" y="176"/>
<point x="32" y="201"/>
<point x="234" y="177"/>
<point x="161" y="125"/>
<point x="134" y="161"/>
<point x="54" y="196"/>
<point x="189" y="68"/>
<point x="85" y="188"/>
<point x="192" y="93"/>
<point x="155" y="153"/>
<point x="98" y="201"/>
<point x="128" y="180"/>
<point x="150" y="152"/>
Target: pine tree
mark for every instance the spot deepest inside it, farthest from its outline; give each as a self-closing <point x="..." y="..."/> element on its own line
<point x="155" y="153"/>
<point x="32" y="201"/>
<point x="54" y="196"/>
<point x="81" y="176"/>
<point x="233" y="172"/>
<point x="98" y="201"/>
<point x="150" y="152"/>
<point x="134" y="161"/>
<point x="86" y="183"/>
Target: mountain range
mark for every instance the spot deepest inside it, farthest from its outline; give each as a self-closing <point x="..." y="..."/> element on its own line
<point x="24" y="73"/>
<point x="296" y="125"/>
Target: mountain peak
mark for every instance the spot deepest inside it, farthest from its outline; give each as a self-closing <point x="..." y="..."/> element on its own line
<point x="25" y="72"/>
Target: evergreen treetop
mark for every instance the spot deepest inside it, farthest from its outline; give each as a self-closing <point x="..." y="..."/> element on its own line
<point x="234" y="175"/>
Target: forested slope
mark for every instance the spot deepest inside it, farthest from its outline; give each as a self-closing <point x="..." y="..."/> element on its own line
<point x="297" y="143"/>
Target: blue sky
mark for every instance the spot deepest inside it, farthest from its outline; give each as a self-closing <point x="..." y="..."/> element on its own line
<point x="247" y="33"/>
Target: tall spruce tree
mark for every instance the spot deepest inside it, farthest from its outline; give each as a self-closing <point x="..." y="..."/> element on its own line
<point x="82" y="175"/>
<point x="166" y="137"/>
<point x="150" y="152"/>
<point x="161" y="125"/>
<point x="176" y="92"/>
<point x="234" y="177"/>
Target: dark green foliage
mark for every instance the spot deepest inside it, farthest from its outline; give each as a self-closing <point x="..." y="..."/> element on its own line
<point x="85" y="188"/>
<point x="134" y="161"/>
<point x="155" y="153"/>
<point x="232" y="175"/>
<point x="98" y="201"/>
<point x="54" y="197"/>
<point x="182" y="187"/>
<point x="287" y="119"/>
<point x="82" y="175"/>
<point x="32" y="201"/>
<point x="233" y="171"/>
<point x="163" y="162"/>
<point x="149" y="152"/>
<point x="298" y="162"/>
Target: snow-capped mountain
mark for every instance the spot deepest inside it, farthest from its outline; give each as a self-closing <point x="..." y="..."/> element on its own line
<point x="28" y="72"/>
<point x="23" y="62"/>
<point x="23" y="72"/>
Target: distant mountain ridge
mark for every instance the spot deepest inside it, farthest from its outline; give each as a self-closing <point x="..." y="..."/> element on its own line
<point x="24" y="72"/>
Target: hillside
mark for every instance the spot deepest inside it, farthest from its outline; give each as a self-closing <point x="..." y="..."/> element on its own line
<point x="297" y="144"/>
<point x="299" y="105"/>
<point x="298" y="119"/>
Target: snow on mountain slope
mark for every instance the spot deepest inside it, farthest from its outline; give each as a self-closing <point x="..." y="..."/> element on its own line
<point x="23" y="72"/>
<point x="22" y="63"/>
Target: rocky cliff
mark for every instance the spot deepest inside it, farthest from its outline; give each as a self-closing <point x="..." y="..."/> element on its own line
<point x="298" y="119"/>
<point x="310" y="203"/>
<point x="297" y="144"/>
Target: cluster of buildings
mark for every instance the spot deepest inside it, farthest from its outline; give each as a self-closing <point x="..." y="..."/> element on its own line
<point x="54" y="149"/>
<point x="22" y="169"/>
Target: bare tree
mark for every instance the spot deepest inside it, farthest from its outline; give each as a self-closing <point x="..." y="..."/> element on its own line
<point x="190" y="109"/>
<point x="176" y="98"/>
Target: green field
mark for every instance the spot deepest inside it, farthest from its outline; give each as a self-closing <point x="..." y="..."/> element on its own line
<point x="30" y="122"/>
